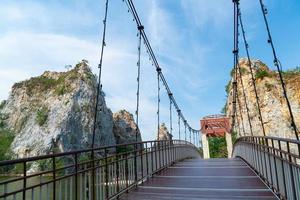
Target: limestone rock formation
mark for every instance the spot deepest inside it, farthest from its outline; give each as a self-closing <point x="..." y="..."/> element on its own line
<point x="55" y="111"/>
<point x="273" y="104"/>
<point x="163" y="133"/>
<point x="124" y="128"/>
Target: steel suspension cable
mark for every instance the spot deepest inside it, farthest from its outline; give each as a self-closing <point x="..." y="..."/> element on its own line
<point x="185" y="130"/>
<point x="138" y="82"/>
<point x="170" y="109"/>
<point x="240" y="75"/>
<point x="190" y="134"/>
<point x="178" y="112"/>
<point x="99" y="85"/>
<point x="279" y="68"/>
<point x="158" y="101"/>
<point x="251" y="72"/>
<point x="235" y="53"/>
<point x="194" y="138"/>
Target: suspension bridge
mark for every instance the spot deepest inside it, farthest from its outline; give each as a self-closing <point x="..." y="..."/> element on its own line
<point x="258" y="167"/>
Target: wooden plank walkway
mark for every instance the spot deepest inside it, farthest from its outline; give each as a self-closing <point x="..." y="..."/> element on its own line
<point x="203" y="179"/>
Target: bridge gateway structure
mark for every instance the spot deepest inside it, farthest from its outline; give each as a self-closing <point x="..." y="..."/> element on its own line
<point x="215" y="126"/>
<point x="263" y="167"/>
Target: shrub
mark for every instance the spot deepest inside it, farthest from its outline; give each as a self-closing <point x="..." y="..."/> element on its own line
<point x="261" y="73"/>
<point x="42" y="115"/>
<point x="125" y="149"/>
<point x="2" y="104"/>
<point x="60" y="90"/>
<point x="217" y="147"/>
<point x="269" y="86"/>
<point x="3" y="117"/>
<point x="6" y="138"/>
<point x="227" y="87"/>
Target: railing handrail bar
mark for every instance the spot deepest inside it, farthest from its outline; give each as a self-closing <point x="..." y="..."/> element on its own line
<point x="40" y="157"/>
<point x="271" y="137"/>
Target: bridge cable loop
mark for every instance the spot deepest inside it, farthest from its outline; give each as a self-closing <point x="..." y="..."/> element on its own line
<point x="279" y="69"/>
<point x="149" y="50"/>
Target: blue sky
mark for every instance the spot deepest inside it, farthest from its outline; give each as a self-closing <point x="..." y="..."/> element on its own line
<point x="191" y="38"/>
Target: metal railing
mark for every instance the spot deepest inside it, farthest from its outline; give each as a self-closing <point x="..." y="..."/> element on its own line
<point x="100" y="173"/>
<point x="275" y="160"/>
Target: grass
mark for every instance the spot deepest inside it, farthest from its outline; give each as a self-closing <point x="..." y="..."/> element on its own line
<point x="42" y="115"/>
<point x="261" y="73"/>
<point x="292" y="72"/>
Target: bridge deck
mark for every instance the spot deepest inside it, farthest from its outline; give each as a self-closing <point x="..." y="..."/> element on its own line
<point x="203" y="179"/>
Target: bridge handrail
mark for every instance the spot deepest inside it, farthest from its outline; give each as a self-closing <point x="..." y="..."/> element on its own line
<point x="105" y="172"/>
<point x="34" y="158"/>
<point x="275" y="160"/>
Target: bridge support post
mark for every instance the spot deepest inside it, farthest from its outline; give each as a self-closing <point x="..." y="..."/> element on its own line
<point x="205" y="146"/>
<point x="228" y="144"/>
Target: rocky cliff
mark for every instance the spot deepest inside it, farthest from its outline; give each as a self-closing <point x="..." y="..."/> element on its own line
<point x="274" y="109"/>
<point x="55" y="112"/>
<point x="125" y="129"/>
<point x="164" y="133"/>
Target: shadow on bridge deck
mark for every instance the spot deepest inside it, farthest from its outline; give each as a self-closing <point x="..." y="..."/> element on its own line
<point x="203" y="179"/>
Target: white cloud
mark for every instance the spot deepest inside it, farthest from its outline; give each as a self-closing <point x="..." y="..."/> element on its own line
<point x="210" y="13"/>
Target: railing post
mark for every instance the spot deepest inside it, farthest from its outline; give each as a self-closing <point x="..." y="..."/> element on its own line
<point x="270" y="167"/>
<point x="156" y="158"/>
<point x="135" y="163"/>
<point x="152" y="160"/>
<point x="117" y="171"/>
<point x="54" y="177"/>
<point x="126" y="170"/>
<point x="142" y="164"/>
<point x="106" y="174"/>
<point x="291" y="172"/>
<point x="163" y="153"/>
<point x="147" y="163"/>
<point x="24" y="180"/>
<point x="282" y="166"/>
<point x="76" y="176"/>
<point x="93" y="175"/>
<point x="275" y="166"/>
